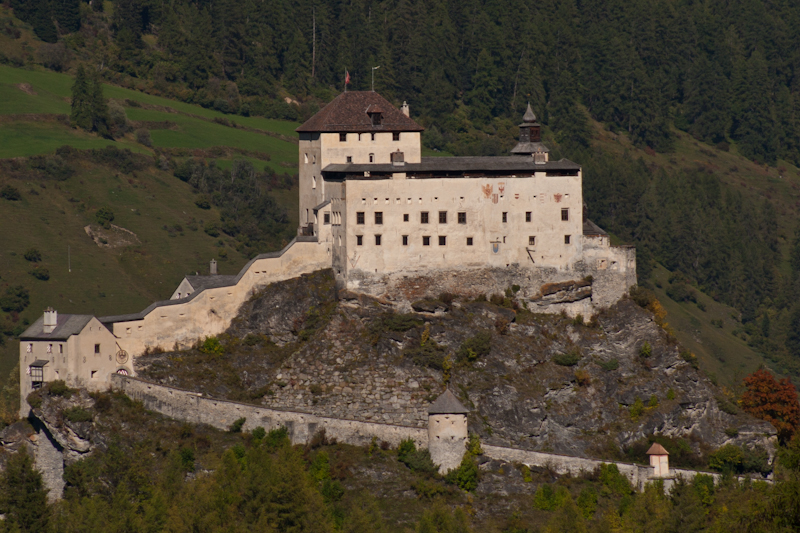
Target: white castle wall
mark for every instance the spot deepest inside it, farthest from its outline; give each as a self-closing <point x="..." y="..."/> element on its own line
<point x="209" y="312"/>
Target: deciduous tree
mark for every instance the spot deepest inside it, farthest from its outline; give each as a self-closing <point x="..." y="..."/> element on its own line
<point x="773" y="401"/>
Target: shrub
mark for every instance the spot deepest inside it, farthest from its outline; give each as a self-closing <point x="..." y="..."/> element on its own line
<point x="212" y="229"/>
<point x="636" y="409"/>
<point x="690" y="358"/>
<point x="582" y="378"/>
<point x="417" y="460"/>
<point x="276" y="438"/>
<point x="670" y="394"/>
<point x="474" y="444"/>
<point x="251" y="339"/>
<point x="10" y="193"/>
<point x="143" y="137"/>
<point x="729" y="458"/>
<point x="259" y="433"/>
<point x="587" y="502"/>
<point x="33" y="255"/>
<point x="548" y="498"/>
<point x="653" y="401"/>
<point x="570" y="358"/>
<point x="646" y="350"/>
<point x="237" y="425"/>
<point x="316" y="389"/>
<point x="727" y="406"/>
<point x="682" y="292"/>
<point x="212" y="346"/>
<point x="78" y="414"/>
<point x="59" y="388"/>
<point x="40" y="273"/>
<point x="732" y="432"/>
<point x="35" y="399"/>
<point x="475" y="347"/>
<point x="104" y="217"/>
<point x="202" y="202"/>
<point x="608" y="366"/>
<point x="613" y="481"/>
<point x="466" y="475"/>
<point x="642" y="296"/>
<point x="187" y="459"/>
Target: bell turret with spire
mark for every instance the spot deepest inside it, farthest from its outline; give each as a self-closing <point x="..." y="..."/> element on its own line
<point x="530" y="138"/>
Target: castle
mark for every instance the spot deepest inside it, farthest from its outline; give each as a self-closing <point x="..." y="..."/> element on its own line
<point x="391" y="224"/>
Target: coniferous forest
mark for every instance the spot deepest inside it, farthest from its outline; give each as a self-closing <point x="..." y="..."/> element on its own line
<point x="725" y="72"/>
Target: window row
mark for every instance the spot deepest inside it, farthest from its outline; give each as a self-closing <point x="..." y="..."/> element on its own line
<point x="425" y="218"/>
<point x="343" y="136"/>
<point x="426" y="240"/>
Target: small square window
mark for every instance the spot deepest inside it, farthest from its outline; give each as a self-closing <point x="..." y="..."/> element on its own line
<point x="379" y="217"/>
<point x="442" y="240"/>
<point x="462" y="218"/>
<point x="426" y="241"/>
<point x="527" y="216"/>
<point x="349" y="159"/>
<point x="566" y="239"/>
<point x="531" y="240"/>
<point x="360" y="217"/>
<point x="469" y="241"/>
<point x="442" y="217"/>
<point x="405" y="240"/>
<point x="377" y="240"/>
<point x="565" y="214"/>
<point x="423" y="217"/>
<point x="405" y="217"/>
<point x="396" y="136"/>
<point x="359" y="240"/>
<point x="96" y="348"/>
<point x="505" y="216"/>
<point x="342" y="137"/>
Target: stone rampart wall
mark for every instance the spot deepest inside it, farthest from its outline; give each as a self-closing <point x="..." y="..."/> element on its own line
<point x="192" y="407"/>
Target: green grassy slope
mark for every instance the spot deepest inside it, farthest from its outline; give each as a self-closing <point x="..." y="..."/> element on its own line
<point x="52" y="215"/>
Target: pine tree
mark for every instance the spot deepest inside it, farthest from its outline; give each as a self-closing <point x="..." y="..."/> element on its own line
<point x="23" y="498"/>
<point x="81" y="115"/>
<point x="68" y="15"/>
<point x="42" y="21"/>
<point x="99" y="107"/>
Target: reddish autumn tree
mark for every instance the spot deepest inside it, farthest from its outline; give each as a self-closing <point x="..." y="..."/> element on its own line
<point x="773" y="401"/>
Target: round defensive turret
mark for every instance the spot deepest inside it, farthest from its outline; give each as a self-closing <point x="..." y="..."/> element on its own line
<point x="447" y="431"/>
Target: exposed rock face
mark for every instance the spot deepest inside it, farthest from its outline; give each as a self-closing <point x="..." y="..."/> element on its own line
<point x="544" y="382"/>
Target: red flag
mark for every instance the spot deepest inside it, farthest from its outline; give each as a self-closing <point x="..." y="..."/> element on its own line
<point x="346" y="78"/>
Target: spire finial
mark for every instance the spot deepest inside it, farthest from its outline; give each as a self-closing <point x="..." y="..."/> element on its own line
<point x="529" y="115"/>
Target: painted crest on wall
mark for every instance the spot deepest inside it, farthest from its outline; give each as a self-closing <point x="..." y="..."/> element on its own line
<point x="495" y="247"/>
<point x="487" y="190"/>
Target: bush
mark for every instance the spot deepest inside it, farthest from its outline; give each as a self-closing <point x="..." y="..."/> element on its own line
<point x="646" y="350"/>
<point x="636" y="409"/>
<point x="40" y="273"/>
<point x="259" y="433"/>
<point x="237" y="425"/>
<point x="187" y="459"/>
<point x="613" y="481"/>
<point x="682" y="292"/>
<point x="78" y="414"/>
<point x="417" y="460"/>
<point x="202" y="202"/>
<point x="570" y="358"/>
<point x="548" y="498"/>
<point x="10" y="193"/>
<point x="642" y="296"/>
<point x="212" y="346"/>
<point x="143" y="137"/>
<point x="16" y="299"/>
<point x="35" y="399"/>
<point x="608" y="366"/>
<point x="690" y="358"/>
<point x="727" y="459"/>
<point x="466" y="475"/>
<point x="475" y="347"/>
<point x="59" y="388"/>
<point x="104" y="217"/>
<point x="212" y="229"/>
<point x="276" y="438"/>
<point x="33" y="255"/>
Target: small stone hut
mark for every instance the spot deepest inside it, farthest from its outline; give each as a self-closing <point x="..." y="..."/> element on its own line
<point x="659" y="460"/>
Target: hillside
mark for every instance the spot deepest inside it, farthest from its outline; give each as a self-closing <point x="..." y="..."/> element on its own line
<point x="539" y="382"/>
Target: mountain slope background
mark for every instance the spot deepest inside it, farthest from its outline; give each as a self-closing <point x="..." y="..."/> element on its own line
<point x="682" y="115"/>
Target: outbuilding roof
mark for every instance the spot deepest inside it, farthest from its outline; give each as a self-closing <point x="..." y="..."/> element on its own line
<point x="199" y="283"/>
<point x="350" y="112"/>
<point x="447" y="404"/>
<point x="66" y="326"/>
<point x="657" y="449"/>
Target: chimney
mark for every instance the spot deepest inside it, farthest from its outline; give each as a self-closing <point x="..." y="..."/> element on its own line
<point x="404" y="109"/>
<point x="213" y="267"/>
<point x="50" y="320"/>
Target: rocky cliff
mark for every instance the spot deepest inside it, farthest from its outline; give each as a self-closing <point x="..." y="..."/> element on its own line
<point x="543" y="382"/>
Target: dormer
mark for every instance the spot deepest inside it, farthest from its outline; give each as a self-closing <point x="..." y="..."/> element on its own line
<point x="375" y="115"/>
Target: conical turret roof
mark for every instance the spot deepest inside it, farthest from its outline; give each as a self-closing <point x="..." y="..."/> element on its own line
<point x="447" y="404"/>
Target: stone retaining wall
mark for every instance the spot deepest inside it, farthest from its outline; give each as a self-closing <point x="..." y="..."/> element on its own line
<point x="192" y="407"/>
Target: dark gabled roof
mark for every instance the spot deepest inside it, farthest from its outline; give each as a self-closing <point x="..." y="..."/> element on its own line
<point x="165" y="303"/>
<point x="464" y="165"/>
<point x="447" y="404"/>
<point x="320" y="206"/>
<point x="66" y="326"/>
<point x="199" y="283"/>
<point x="530" y="148"/>
<point x="350" y="112"/>
<point x="590" y="228"/>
